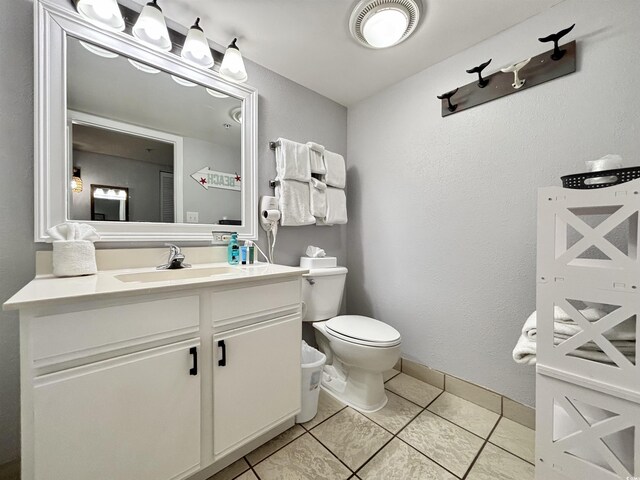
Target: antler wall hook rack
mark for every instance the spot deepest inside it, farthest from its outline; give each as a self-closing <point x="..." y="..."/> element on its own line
<point x="515" y="78"/>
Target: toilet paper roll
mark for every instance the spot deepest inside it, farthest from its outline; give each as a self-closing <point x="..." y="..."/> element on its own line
<point x="271" y="215"/>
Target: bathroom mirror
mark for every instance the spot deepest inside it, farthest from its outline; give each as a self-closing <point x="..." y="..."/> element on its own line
<point x="179" y="141"/>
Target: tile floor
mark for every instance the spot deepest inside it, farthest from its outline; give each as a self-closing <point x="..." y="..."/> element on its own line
<point x="422" y="433"/>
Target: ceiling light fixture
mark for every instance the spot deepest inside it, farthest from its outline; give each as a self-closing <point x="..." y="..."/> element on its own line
<point x="232" y="67"/>
<point x="196" y="48"/>
<point x="384" y="23"/>
<point x="151" y="28"/>
<point x="236" y="114"/>
<point x="104" y="13"/>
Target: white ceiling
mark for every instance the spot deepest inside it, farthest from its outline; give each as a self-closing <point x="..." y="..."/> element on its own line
<point x="308" y="41"/>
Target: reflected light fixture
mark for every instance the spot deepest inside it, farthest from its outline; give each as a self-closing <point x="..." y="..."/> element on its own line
<point x="196" y="48"/>
<point x="143" y="67"/>
<point x="183" y="82"/>
<point x="76" y="181"/>
<point x="384" y="23"/>
<point x="101" y="52"/>
<point x="216" y="94"/>
<point x="236" y="114"/>
<point x="232" y="67"/>
<point x="104" y="13"/>
<point x="151" y="28"/>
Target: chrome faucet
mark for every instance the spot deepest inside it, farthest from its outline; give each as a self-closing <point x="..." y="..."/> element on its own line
<point x="176" y="259"/>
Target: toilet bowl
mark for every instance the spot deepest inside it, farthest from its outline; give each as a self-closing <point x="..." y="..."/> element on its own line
<point x="359" y="349"/>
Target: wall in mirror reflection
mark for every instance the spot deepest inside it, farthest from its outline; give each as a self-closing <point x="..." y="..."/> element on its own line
<point x="147" y="132"/>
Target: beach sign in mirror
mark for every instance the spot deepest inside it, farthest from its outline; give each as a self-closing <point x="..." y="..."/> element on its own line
<point x="208" y="178"/>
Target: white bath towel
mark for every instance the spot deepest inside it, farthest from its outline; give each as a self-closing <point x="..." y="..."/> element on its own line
<point x="336" y="175"/>
<point x="294" y="203"/>
<point x="525" y="353"/>
<point x="336" y="207"/>
<point x="73" y="250"/>
<point x="564" y="326"/>
<point x="318" y="201"/>
<point x="316" y="152"/>
<point x="292" y="161"/>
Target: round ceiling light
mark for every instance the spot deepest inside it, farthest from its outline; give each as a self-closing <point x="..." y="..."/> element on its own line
<point x="384" y="23"/>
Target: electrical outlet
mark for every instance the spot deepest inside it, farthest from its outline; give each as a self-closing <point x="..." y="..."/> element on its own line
<point x="221" y="237"/>
<point x="192" y="217"/>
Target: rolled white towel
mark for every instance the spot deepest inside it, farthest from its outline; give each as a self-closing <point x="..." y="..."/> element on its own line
<point x="564" y="326"/>
<point x="318" y="198"/>
<point x="336" y="175"/>
<point x="316" y="159"/>
<point x="73" y="250"/>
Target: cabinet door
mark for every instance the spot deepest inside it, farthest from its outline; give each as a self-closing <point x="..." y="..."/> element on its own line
<point x="256" y="382"/>
<point x="135" y="417"/>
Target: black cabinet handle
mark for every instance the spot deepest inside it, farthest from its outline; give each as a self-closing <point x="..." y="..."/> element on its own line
<point x="194" y="352"/>
<point x="223" y="361"/>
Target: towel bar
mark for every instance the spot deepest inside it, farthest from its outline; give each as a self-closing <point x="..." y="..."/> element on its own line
<point x="273" y="145"/>
<point x="273" y="183"/>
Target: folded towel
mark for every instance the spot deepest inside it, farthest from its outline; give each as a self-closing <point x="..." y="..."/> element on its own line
<point x="294" y="203"/>
<point x="73" y="250"/>
<point x="336" y="207"/>
<point x="292" y="161"/>
<point x="525" y="353"/>
<point x="336" y="175"/>
<point x="318" y="202"/>
<point x="315" y="155"/>
<point x="564" y="327"/>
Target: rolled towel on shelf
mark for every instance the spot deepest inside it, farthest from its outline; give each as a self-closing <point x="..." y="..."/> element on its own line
<point x="316" y="152"/>
<point x="336" y="207"/>
<point x="336" y="175"/>
<point x="318" y="201"/>
<point x="294" y="203"/>
<point x="292" y="161"/>
<point x="73" y="251"/>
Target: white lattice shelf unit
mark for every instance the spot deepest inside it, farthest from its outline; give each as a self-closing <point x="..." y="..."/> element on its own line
<point x="588" y="412"/>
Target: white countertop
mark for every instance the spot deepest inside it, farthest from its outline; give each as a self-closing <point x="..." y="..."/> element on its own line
<point x="45" y="289"/>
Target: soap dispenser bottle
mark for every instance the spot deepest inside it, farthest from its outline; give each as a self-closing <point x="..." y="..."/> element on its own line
<point x="233" y="250"/>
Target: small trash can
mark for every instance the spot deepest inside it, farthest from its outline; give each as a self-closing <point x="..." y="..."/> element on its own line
<point x="312" y="363"/>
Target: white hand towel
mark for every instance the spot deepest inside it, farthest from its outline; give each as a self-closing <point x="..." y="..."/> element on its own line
<point x="316" y="152"/>
<point x="292" y="161"/>
<point x="294" y="203"/>
<point x="73" y="250"/>
<point x="336" y="175"/>
<point x="336" y="207"/>
<point x="318" y="198"/>
<point x="564" y="327"/>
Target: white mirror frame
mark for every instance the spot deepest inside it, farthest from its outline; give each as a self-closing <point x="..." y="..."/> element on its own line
<point x="54" y="20"/>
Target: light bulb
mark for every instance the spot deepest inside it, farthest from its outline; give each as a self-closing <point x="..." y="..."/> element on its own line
<point x="196" y="48"/>
<point x="232" y="66"/>
<point x="151" y="28"/>
<point x="104" y="13"/>
<point x="385" y="27"/>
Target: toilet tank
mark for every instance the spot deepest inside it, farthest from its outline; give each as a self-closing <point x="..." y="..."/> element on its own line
<point x="322" y="292"/>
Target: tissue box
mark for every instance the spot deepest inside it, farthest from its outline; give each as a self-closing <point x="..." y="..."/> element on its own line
<point x="313" y="263"/>
<point x="72" y="258"/>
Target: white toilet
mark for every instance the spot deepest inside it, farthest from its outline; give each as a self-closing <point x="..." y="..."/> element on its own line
<point x="358" y="349"/>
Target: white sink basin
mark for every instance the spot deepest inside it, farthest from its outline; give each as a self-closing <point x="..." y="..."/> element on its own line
<point x="183" y="274"/>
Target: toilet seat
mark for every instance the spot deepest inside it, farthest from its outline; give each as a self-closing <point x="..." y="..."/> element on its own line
<point x="363" y="331"/>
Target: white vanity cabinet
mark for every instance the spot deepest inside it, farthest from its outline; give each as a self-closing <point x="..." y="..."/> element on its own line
<point x="139" y="383"/>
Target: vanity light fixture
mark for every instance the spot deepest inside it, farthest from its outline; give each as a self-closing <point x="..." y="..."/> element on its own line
<point x="143" y="67"/>
<point x="151" y="28"/>
<point x="103" y="13"/>
<point x="384" y="23"/>
<point x="196" y="48"/>
<point x="232" y="67"/>
<point x="101" y="52"/>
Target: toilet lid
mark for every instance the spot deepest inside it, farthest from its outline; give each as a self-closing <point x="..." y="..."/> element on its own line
<point x="363" y="330"/>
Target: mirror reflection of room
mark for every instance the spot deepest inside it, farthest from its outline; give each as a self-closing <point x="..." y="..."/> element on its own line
<point x="175" y="146"/>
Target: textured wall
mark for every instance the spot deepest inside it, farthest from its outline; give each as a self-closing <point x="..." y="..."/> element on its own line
<point x="442" y="231"/>
<point x="286" y="109"/>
